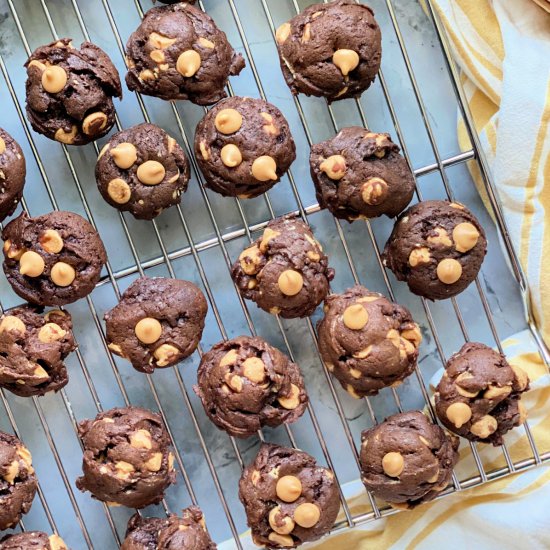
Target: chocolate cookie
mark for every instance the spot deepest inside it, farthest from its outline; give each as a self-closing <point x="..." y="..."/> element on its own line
<point x="126" y="457"/>
<point x="32" y="350"/>
<point x="332" y="50"/>
<point x="360" y="174"/>
<point x="171" y="533"/>
<point x="142" y="170"/>
<point x="178" y="52"/>
<point x="32" y="540"/>
<point x="70" y="91"/>
<point x="285" y="271"/>
<point x="245" y="384"/>
<point x="54" y="259"/>
<point x="288" y="499"/>
<point x="12" y="174"/>
<point x="366" y="341"/>
<point x="406" y="460"/>
<point x="243" y="146"/>
<point x="437" y="247"/>
<point x="479" y="395"/>
<point x="157" y="323"/>
<point x="17" y="480"/>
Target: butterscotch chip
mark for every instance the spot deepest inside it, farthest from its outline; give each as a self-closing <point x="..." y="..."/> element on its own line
<point x="12" y="323"/>
<point x="264" y="168"/>
<point x="345" y="60"/>
<point x="157" y="56"/>
<point x="62" y="274"/>
<point x="126" y="460"/>
<point x="151" y="172"/>
<point x="419" y="256"/>
<point x="124" y="154"/>
<point x="148" y="330"/>
<point x="94" y="124"/>
<point x="31" y="264"/>
<point x="465" y="236"/>
<point x="355" y="317"/>
<point x="279" y="523"/>
<point x="231" y="155"/>
<point x="54" y="79"/>
<point x="51" y="332"/>
<point x="307" y="515"/>
<point x="228" y="121"/>
<point x="430" y="228"/>
<point x="282" y="33"/>
<point x="245" y="384"/>
<point x="51" y="241"/>
<point x="483" y="381"/>
<point x="290" y="282"/>
<point x="119" y="191"/>
<point x="334" y="167"/>
<point x="188" y="63"/>
<point x="288" y="488"/>
<point x="459" y="414"/>
<point x="69" y="137"/>
<point x="403" y="457"/>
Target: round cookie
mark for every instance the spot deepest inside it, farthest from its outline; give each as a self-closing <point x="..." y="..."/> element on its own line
<point x="171" y="533"/>
<point x="406" y="460"/>
<point x="284" y="271"/>
<point x="18" y="482"/>
<point x="54" y="259"/>
<point x="32" y="540"/>
<point x="366" y="341"/>
<point x="178" y="52"/>
<point x="437" y="248"/>
<point x="245" y="384"/>
<point x="70" y="91"/>
<point x="288" y="499"/>
<point x="32" y="350"/>
<point x="126" y="457"/>
<point x="142" y="170"/>
<point x="243" y="146"/>
<point x="12" y="174"/>
<point x="157" y="323"/>
<point x="332" y="50"/>
<point x="360" y="174"/>
<point x="479" y="395"/>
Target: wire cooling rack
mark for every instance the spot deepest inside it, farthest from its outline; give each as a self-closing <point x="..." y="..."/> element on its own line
<point x="415" y="98"/>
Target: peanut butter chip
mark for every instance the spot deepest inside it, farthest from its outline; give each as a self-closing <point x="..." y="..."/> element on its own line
<point x="228" y="121"/>
<point x="465" y="236"/>
<point x="57" y="543"/>
<point x="40" y="373"/>
<point x="51" y="241"/>
<point x="264" y="168"/>
<point x="282" y="33"/>
<point x="54" y="79"/>
<point x="459" y="380"/>
<point x="154" y="464"/>
<point x="441" y="237"/>
<point x="484" y="427"/>
<point x="119" y="191"/>
<point x="254" y="369"/>
<point x="280" y="524"/>
<point x="12" y="251"/>
<point x="521" y="377"/>
<point x="148" y="330"/>
<point x="286" y="541"/>
<point x="124" y="155"/>
<point x="2" y="146"/>
<point x="496" y="392"/>
<point x="288" y="488"/>
<point x="230" y="358"/>
<point x="51" y="332"/>
<point x="345" y="60"/>
<point x="205" y="43"/>
<point x="12" y="473"/>
<point x="393" y="464"/>
<point x="141" y="439"/>
<point x="374" y="191"/>
<point x="12" y="323"/>
<point x="413" y="335"/>
<point x="62" y="274"/>
<point x="267" y="236"/>
<point x="459" y="414"/>
<point x="307" y="515"/>
<point x="31" y="264"/>
<point x="166" y="354"/>
<point x="334" y="167"/>
<point x="66" y="137"/>
<point x="290" y="282"/>
<point x="188" y="63"/>
<point x="269" y="128"/>
<point x="151" y="172"/>
<point x="293" y="401"/>
<point x="94" y="123"/>
<point x="157" y="56"/>
<point x="355" y="317"/>
<point x="250" y="260"/>
<point x="231" y="155"/>
<point x="449" y="271"/>
<point x="124" y="469"/>
<point x="419" y="256"/>
<point x="160" y="41"/>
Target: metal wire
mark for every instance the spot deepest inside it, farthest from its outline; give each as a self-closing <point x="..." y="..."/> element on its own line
<point x="246" y="230"/>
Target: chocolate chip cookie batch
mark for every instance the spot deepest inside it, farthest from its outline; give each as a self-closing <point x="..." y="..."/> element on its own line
<point x="243" y="147"/>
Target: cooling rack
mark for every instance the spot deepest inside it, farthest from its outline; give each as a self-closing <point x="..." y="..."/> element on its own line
<point x="416" y="99"/>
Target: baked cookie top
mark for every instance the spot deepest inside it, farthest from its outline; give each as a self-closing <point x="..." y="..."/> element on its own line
<point x="332" y="50"/>
<point x="70" y="91"/>
<point x="287" y="497"/>
<point x="479" y="395"/>
<point x="53" y="259"/>
<point x="12" y="174"/>
<point x="178" y="52"/>
<point x="285" y="271"/>
<point x="360" y="174"/>
<point x="245" y="383"/>
<point x="366" y="341"/>
<point x="32" y="540"/>
<point x="437" y="248"/>
<point x="243" y="146"/>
